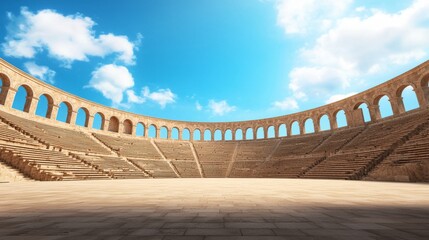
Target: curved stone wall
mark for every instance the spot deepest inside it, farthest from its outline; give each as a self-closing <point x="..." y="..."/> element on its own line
<point x="114" y="120"/>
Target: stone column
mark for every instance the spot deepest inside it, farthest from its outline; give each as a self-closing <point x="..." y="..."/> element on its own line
<point x="90" y="121"/>
<point x="422" y="94"/>
<point x="374" y="112"/>
<point x="316" y="124"/>
<point x="8" y="102"/>
<point x="52" y="111"/>
<point x="333" y="122"/>
<point x="146" y="131"/>
<point x="3" y="94"/>
<point x="71" y="117"/>
<point x="301" y="128"/>
<point x="266" y="132"/>
<point x="32" y="102"/>
<point x="105" y="124"/>
<point x="169" y="133"/>
<point x="397" y="105"/>
<point x="289" y="129"/>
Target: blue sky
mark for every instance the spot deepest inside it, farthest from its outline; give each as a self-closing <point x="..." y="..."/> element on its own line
<point x="201" y="60"/>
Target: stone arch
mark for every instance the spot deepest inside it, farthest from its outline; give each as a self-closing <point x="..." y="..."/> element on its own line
<point x="295" y="128"/>
<point x="113" y="124"/>
<point x="282" y="130"/>
<point x="23" y="98"/>
<point x="175" y="133"/>
<point x="340" y="118"/>
<point x="271" y="132"/>
<point x="362" y="112"/>
<point x="217" y="135"/>
<point x="324" y="122"/>
<point x="186" y="134"/>
<point x="207" y="135"/>
<point x="82" y="118"/>
<point x="383" y="106"/>
<point x="197" y="134"/>
<point x="423" y="93"/>
<point x="5" y="86"/>
<point x="309" y="126"/>
<point x="249" y="133"/>
<point x="45" y="106"/>
<point x="260" y="133"/>
<point x="407" y="98"/>
<point x="228" y="135"/>
<point x="98" y="122"/>
<point x="238" y="134"/>
<point x="128" y="126"/>
<point x="140" y="129"/>
<point x="152" y="131"/>
<point x="163" y="132"/>
<point x="65" y="111"/>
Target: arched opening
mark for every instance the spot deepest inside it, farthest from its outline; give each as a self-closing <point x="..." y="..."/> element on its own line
<point x="128" y="126"/>
<point x="249" y="134"/>
<point x="228" y="135"/>
<point x="175" y="133"/>
<point x="23" y="98"/>
<point x="409" y="98"/>
<point x="5" y="85"/>
<point x="186" y="134"/>
<point x="64" y="112"/>
<point x="239" y="134"/>
<point x="295" y="128"/>
<point x="341" y="118"/>
<point x="98" y="122"/>
<point x="271" y="132"/>
<point x="152" y="131"/>
<point x="113" y="124"/>
<point x="82" y="117"/>
<point x="309" y="126"/>
<point x="163" y="132"/>
<point x="324" y="123"/>
<point x="218" y="135"/>
<point x="140" y="129"/>
<point x="282" y="130"/>
<point x="44" y="106"/>
<point x="385" y="107"/>
<point x="197" y="135"/>
<point x="260" y="133"/>
<point x="365" y="111"/>
<point x="207" y="135"/>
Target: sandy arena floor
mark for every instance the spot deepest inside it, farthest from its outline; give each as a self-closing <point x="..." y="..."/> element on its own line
<point x="214" y="209"/>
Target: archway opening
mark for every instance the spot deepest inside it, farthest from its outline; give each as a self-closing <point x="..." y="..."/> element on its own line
<point x="385" y="107"/>
<point x="175" y="133"/>
<point x="98" y="122"/>
<point x="82" y="117"/>
<point x="324" y="123"/>
<point x="163" y="132"/>
<point x="218" y="135"/>
<point x="409" y="99"/>
<point x="309" y="126"/>
<point x="4" y="89"/>
<point x="260" y="133"/>
<point x="295" y="128"/>
<point x="239" y="134"/>
<point x="249" y="134"/>
<point x="207" y="135"/>
<point x="152" y="131"/>
<point x="341" y="119"/>
<point x="271" y="132"/>
<point x="186" y="134"/>
<point x="140" y="129"/>
<point x="64" y="112"/>
<point x="128" y="126"/>
<point x="365" y="112"/>
<point x="228" y="135"/>
<point x="44" y="106"/>
<point x="282" y="130"/>
<point x="113" y="124"/>
<point x="197" y="135"/>
<point x="23" y="98"/>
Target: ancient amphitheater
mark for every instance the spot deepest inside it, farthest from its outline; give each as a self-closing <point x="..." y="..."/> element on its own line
<point x="288" y="186"/>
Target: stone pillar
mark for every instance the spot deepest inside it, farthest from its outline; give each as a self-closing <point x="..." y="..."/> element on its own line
<point x="146" y="131"/>
<point x="179" y="134"/>
<point x="191" y="135"/>
<point x="105" y="124"/>
<point x="90" y="121"/>
<point x="289" y="129"/>
<point x="233" y="134"/>
<point x="201" y="135"/>
<point x="3" y="94"/>
<point x="32" y="102"/>
<point x="158" y="133"/>
<point x="301" y="128"/>
<point x="169" y="133"/>
<point x="374" y="112"/>
<point x="276" y="131"/>
<point x="8" y="102"/>
<point x="316" y="126"/>
<point x="266" y="133"/>
<point x="333" y="122"/>
<point x="358" y="118"/>
<point x="397" y="105"/>
<point x="71" y="117"/>
<point x="52" y="111"/>
<point x="255" y="133"/>
<point x="422" y="94"/>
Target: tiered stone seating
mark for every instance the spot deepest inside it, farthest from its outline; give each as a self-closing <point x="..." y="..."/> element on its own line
<point x="214" y="159"/>
<point x="186" y="169"/>
<point x="156" y="168"/>
<point x="9" y="134"/>
<point x="288" y="167"/>
<point x="367" y="147"/>
<point x="299" y="145"/>
<point x="249" y="156"/>
<point x="115" y="167"/>
<point x="45" y="164"/>
<point x="130" y="147"/>
<point x="175" y="149"/>
<point x="55" y="136"/>
<point x="338" y="139"/>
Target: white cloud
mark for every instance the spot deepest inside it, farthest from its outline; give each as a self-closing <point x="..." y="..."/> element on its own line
<point x="67" y="38"/>
<point x="338" y="97"/>
<point x="298" y="17"/>
<point x="286" y="104"/>
<point x="133" y="98"/>
<point x="356" y="47"/>
<point x="162" y="96"/>
<point x="112" y="80"/>
<point x="198" y="106"/>
<point x="41" y="72"/>
<point x="220" y="108"/>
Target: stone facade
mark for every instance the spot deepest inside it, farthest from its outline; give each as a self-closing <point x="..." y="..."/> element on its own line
<point x="120" y="122"/>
